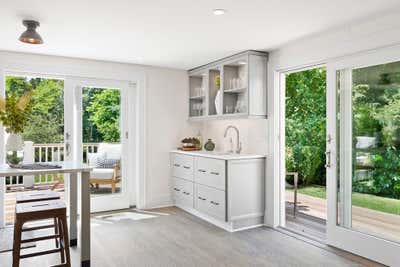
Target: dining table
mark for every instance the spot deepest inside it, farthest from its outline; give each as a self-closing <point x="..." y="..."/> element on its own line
<point x="77" y="177"/>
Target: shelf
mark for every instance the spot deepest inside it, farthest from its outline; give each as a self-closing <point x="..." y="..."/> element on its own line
<point x="200" y="97"/>
<point x="236" y="90"/>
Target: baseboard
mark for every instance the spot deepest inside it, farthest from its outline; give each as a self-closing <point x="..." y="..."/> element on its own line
<point x="159" y="202"/>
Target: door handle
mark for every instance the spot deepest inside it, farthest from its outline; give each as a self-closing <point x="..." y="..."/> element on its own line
<point x="200" y="170"/>
<point x="215" y="173"/>
<point x="328" y="159"/>
<point x="68" y="148"/>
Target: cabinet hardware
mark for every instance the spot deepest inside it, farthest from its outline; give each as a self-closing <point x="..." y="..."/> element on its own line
<point x="177" y="165"/>
<point x="176" y="189"/>
<point x="215" y="173"/>
<point x="186" y="167"/>
<point x="186" y="193"/>
<point x="201" y="198"/>
<point x="200" y="170"/>
<point x="215" y="203"/>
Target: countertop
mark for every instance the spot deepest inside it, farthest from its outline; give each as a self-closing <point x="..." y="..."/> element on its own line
<point x="219" y="155"/>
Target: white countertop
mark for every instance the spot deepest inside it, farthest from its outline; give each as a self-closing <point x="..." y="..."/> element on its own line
<point x="219" y="155"/>
<point x="66" y="167"/>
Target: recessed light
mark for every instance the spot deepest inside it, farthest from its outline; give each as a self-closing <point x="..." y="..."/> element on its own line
<point x="219" y="11"/>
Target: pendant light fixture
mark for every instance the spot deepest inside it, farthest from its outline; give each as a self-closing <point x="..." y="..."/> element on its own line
<point x="30" y="36"/>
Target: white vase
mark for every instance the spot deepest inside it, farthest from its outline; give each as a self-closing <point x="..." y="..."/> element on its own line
<point x="14" y="149"/>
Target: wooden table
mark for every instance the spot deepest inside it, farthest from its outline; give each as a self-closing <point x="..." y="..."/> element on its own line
<point x="72" y="169"/>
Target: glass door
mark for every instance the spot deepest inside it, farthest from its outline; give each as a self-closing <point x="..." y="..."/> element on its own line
<point x="363" y="156"/>
<point x="100" y="130"/>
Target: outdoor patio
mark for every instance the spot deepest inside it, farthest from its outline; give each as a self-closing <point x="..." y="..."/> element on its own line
<point x="311" y="218"/>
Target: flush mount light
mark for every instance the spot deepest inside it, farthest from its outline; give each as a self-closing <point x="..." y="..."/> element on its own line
<point x="219" y="11"/>
<point x="30" y="36"/>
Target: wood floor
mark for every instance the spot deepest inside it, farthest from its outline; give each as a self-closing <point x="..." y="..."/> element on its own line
<point x="170" y="237"/>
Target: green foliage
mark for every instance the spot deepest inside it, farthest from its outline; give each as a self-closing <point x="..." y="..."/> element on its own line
<point x="16" y="112"/>
<point x="305" y="124"/>
<point x="105" y="114"/>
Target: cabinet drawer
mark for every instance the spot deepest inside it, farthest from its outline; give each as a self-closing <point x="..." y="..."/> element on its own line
<point x="182" y="166"/>
<point x="183" y="192"/>
<point x="211" y="201"/>
<point x="210" y="172"/>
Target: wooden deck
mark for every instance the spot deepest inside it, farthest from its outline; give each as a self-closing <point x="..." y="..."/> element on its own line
<point x="364" y="220"/>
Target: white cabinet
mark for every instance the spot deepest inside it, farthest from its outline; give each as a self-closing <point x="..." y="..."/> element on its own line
<point x="210" y="172"/>
<point x="229" y="193"/>
<point x="231" y="87"/>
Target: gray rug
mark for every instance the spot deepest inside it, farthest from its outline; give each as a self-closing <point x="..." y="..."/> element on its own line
<point x="7" y="238"/>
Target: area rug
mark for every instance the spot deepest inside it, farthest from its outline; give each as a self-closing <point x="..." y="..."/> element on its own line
<point x="7" y="238"/>
<point x="133" y="216"/>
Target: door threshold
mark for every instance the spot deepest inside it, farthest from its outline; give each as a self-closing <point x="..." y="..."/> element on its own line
<point x="323" y="245"/>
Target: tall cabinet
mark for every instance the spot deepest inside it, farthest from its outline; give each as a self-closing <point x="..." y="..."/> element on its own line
<point x="235" y="86"/>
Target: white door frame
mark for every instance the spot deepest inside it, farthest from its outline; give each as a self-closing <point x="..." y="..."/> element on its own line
<point x="137" y="118"/>
<point x="338" y="236"/>
<point x="73" y="125"/>
<point x="280" y="76"/>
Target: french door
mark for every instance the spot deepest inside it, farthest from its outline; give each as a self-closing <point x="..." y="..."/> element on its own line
<point x="363" y="155"/>
<point x="97" y="131"/>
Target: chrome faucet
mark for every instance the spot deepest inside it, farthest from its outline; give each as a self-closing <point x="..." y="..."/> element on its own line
<point x="238" y="143"/>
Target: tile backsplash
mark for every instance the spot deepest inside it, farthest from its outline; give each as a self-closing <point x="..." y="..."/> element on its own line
<point x="253" y="134"/>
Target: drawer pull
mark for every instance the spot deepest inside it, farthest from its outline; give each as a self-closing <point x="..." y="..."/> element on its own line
<point x="214" y="203"/>
<point x="186" y="167"/>
<point x="186" y="193"/>
<point x="215" y="173"/>
<point x="202" y="198"/>
<point x="177" y="165"/>
<point x="176" y="189"/>
<point x="200" y="170"/>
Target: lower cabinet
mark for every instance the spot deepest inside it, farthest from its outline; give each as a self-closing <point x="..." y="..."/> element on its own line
<point x="227" y="193"/>
<point x="183" y="193"/>
<point x="210" y="201"/>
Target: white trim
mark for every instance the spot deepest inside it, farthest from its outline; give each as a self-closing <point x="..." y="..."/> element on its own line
<point x="348" y="239"/>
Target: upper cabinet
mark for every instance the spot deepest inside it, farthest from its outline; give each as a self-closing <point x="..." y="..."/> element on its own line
<point x="231" y="87"/>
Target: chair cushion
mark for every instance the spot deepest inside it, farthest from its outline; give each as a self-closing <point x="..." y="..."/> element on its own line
<point x="101" y="173"/>
<point x="106" y="163"/>
<point x="95" y="159"/>
<point x="112" y="151"/>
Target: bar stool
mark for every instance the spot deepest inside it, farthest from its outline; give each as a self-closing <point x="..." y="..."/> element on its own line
<point x="41" y="210"/>
<point x="44" y="195"/>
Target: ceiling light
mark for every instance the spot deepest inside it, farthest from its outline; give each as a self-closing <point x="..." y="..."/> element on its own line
<point x="30" y="36"/>
<point x="219" y="11"/>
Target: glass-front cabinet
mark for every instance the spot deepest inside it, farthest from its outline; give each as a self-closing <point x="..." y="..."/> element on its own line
<point x="232" y="87"/>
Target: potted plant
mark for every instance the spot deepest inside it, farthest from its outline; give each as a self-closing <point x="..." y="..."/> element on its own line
<point x="14" y="113"/>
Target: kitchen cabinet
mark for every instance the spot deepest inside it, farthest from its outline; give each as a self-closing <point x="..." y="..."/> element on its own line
<point x="227" y="190"/>
<point x="232" y="87"/>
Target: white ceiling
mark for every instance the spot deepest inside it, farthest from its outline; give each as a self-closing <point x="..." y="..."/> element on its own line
<point x="173" y="33"/>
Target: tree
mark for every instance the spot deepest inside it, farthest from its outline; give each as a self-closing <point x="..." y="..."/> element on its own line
<point x="104" y="109"/>
<point x="305" y="124"/>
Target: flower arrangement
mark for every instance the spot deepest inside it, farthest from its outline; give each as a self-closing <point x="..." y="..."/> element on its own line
<point x="217" y="81"/>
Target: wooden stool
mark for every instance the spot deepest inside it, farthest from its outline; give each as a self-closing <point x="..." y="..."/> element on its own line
<point x="45" y="195"/>
<point x="41" y="210"/>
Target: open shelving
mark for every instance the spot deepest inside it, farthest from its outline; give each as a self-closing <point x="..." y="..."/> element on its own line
<point x="233" y="87"/>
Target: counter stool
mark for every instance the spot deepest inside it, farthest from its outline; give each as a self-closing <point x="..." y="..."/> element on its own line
<point x="41" y="210"/>
<point x="44" y="195"/>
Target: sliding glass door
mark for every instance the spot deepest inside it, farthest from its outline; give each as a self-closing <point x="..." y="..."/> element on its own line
<point x="363" y="155"/>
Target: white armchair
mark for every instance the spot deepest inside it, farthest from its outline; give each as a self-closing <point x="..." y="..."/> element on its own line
<point x="106" y="165"/>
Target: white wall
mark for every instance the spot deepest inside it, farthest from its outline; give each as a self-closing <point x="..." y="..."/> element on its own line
<point x="165" y="106"/>
<point x="373" y="33"/>
<point x="253" y="134"/>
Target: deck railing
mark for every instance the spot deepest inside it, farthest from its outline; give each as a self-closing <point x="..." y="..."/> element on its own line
<point x="45" y="153"/>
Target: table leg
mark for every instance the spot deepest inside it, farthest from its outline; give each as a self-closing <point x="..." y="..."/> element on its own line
<point x="85" y="220"/>
<point x="73" y="217"/>
<point x="2" y="201"/>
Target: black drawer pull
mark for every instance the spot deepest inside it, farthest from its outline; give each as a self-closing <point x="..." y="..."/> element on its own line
<point x="200" y="170"/>
<point x="202" y="198"/>
<point x="177" y="165"/>
<point x="215" y="173"/>
<point x="176" y="189"/>
<point x="186" y="193"/>
<point x="186" y="167"/>
<point x="214" y="203"/>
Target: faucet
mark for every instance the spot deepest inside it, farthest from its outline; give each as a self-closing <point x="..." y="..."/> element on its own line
<point x="238" y="143"/>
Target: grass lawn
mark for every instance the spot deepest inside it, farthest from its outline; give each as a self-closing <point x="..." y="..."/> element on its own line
<point x="388" y="205"/>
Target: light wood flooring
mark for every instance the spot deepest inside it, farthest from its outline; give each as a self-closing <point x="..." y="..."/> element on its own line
<point x="171" y="237"/>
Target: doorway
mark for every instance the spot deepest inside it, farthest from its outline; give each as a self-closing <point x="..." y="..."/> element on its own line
<point x="305" y="209"/>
